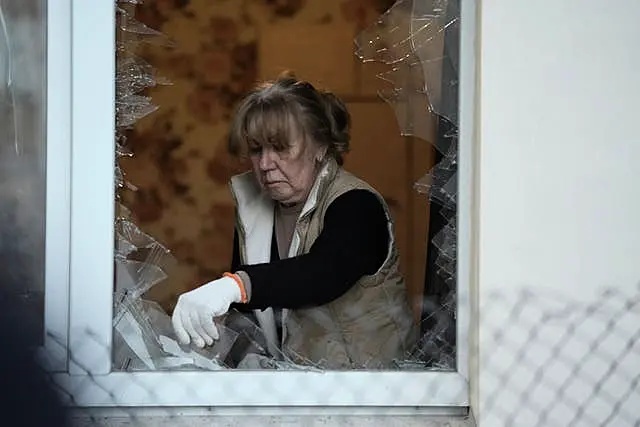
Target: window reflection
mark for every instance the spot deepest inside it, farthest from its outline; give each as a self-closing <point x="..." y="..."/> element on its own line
<point x="22" y="153"/>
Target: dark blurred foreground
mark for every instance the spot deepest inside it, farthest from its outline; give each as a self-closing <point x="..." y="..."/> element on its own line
<point x="27" y="396"/>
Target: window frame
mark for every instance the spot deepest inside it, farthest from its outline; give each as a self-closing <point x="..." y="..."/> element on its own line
<point x="87" y="178"/>
<point x="58" y="184"/>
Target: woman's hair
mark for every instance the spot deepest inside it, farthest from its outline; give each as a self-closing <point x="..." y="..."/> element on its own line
<point x="275" y="113"/>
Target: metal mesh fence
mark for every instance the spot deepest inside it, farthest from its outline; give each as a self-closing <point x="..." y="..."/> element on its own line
<point x="550" y="361"/>
<point x="116" y="407"/>
<point x="545" y="361"/>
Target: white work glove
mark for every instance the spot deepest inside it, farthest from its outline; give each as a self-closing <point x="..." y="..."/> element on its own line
<point x="193" y="316"/>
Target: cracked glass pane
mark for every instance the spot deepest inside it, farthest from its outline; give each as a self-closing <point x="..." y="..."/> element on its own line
<point x="419" y="40"/>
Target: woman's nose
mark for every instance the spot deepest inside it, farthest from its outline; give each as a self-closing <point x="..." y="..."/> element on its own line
<point x="266" y="159"/>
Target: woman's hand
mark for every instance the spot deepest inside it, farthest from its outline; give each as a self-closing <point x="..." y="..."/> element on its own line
<point x="193" y="316"/>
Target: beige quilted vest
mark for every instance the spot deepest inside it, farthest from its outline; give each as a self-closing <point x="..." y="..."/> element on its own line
<point x="368" y="327"/>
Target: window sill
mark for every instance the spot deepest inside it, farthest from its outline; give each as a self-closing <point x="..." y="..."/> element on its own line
<point x="347" y="417"/>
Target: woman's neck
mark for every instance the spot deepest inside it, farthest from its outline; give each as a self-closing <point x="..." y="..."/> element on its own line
<point x="290" y="207"/>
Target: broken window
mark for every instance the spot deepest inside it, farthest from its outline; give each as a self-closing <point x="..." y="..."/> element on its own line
<point x="418" y="41"/>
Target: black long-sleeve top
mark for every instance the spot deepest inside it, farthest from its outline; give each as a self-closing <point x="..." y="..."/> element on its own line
<point x="353" y="243"/>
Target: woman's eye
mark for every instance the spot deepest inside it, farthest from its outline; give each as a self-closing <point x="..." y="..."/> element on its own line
<point x="275" y="144"/>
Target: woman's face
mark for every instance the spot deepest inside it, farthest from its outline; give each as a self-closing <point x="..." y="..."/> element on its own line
<point x="287" y="175"/>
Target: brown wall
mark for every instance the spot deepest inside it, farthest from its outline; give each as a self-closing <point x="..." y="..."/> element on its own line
<point x="223" y="47"/>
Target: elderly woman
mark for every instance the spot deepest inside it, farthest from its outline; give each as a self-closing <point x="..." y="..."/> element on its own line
<point x="314" y="253"/>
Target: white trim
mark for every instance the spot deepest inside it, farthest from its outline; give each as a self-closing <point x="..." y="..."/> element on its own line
<point x="268" y="388"/>
<point x="58" y="208"/>
<point x="270" y="411"/>
<point x="466" y="177"/>
<point x="92" y="186"/>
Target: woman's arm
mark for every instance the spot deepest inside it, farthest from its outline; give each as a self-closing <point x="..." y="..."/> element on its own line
<point x="353" y="243"/>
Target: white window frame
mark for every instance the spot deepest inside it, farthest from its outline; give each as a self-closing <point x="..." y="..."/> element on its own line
<point x="82" y="264"/>
<point x="58" y="182"/>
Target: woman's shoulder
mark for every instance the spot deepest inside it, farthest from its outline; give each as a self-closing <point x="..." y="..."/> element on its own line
<point x="346" y="181"/>
<point x="357" y="199"/>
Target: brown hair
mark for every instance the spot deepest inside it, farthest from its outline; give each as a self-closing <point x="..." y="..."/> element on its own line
<point x="276" y="112"/>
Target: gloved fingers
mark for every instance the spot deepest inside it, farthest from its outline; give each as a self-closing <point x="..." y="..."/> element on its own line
<point x="206" y="320"/>
<point x="178" y="328"/>
<point x="195" y="317"/>
<point x="186" y="322"/>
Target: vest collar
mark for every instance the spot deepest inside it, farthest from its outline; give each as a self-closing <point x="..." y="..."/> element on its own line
<point x="325" y="177"/>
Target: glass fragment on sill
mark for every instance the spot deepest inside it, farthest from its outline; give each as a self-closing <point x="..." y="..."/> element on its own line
<point x="144" y="340"/>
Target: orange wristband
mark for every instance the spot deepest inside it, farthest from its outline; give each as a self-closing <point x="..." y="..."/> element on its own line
<point x="243" y="291"/>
